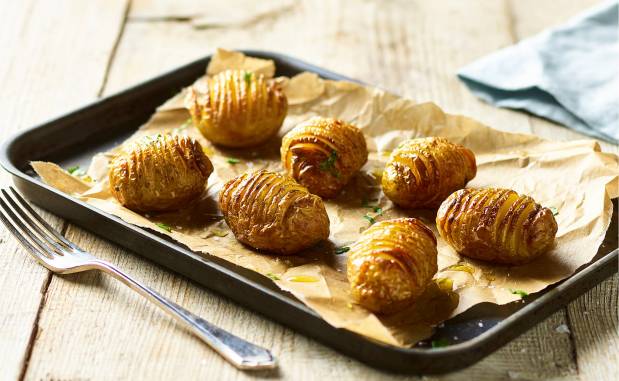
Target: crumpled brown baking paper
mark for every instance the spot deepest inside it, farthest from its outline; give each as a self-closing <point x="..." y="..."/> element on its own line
<point x="573" y="177"/>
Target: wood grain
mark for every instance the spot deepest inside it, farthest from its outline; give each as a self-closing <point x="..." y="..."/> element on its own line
<point x="594" y="331"/>
<point x="43" y="74"/>
<point x="592" y="318"/>
<point x="92" y="327"/>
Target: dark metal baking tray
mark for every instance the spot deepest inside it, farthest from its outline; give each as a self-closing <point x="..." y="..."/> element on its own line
<point x="73" y="139"/>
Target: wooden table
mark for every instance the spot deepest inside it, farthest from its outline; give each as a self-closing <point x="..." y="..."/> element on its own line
<point x="58" y="55"/>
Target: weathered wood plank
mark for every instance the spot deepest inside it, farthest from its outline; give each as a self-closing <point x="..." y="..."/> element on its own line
<point x="54" y="59"/>
<point x="412" y="48"/>
<point x="595" y="331"/>
<point x="592" y="318"/>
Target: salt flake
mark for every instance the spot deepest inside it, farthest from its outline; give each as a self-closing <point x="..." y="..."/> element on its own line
<point x="562" y="329"/>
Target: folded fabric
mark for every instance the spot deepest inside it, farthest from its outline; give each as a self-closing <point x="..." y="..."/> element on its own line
<point x="568" y="74"/>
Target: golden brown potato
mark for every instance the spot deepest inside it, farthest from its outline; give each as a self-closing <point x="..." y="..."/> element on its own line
<point x="159" y="173"/>
<point x="271" y="212"/>
<point x="238" y="108"/>
<point x="421" y="173"/>
<point x="496" y="225"/>
<point x="323" y="154"/>
<point x="391" y="264"/>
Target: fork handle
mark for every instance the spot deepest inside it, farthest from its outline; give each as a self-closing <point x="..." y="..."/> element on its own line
<point x="240" y="353"/>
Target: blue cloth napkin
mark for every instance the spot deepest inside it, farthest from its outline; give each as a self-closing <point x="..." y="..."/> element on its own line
<point x="569" y="74"/>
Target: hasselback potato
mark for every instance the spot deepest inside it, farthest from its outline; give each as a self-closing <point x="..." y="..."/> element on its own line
<point x="271" y="212"/>
<point x="496" y="225"/>
<point x="237" y="108"/>
<point x="391" y="264"/>
<point x="323" y="154"/>
<point x="421" y="173"/>
<point x="159" y="173"/>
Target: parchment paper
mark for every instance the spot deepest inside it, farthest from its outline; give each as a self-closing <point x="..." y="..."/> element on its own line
<point x="573" y="177"/>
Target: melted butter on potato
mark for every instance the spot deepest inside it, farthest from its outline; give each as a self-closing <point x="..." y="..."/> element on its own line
<point x="159" y="173"/>
<point x="323" y="154"/>
<point x="421" y="173"/>
<point x="271" y="212"/>
<point x="237" y="108"/>
<point x="391" y="264"/>
<point x="496" y="225"/>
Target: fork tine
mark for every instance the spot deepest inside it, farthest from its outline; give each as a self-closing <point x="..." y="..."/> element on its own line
<point x="41" y="221"/>
<point x="45" y="232"/>
<point x="25" y="243"/>
<point x="17" y="227"/>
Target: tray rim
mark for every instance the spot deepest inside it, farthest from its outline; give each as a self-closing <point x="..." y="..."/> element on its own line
<point x="544" y="300"/>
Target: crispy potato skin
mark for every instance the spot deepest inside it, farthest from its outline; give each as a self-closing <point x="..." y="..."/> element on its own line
<point x="271" y="212"/>
<point x="323" y="154"/>
<point x="159" y="173"/>
<point x="391" y="263"/>
<point x="421" y="173"/>
<point x="496" y="225"/>
<point x="238" y="108"/>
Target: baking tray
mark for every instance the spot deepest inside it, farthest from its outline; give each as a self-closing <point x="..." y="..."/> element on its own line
<point x="75" y="137"/>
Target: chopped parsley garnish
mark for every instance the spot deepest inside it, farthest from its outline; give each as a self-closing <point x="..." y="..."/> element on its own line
<point x="164" y="226"/>
<point x="272" y="276"/>
<point x="553" y="210"/>
<point x="440" y="343"/>
<point x="76" y="171"/>
<point x="520" y="293"/>
<point x="341" y="250"/>
<point x="370" y="219"/>
<point x="377" y="209"/>
<point x="247" y="76"/>
<point x="232" y="160"/>
<point x="329" y="162"/>
<point x="329" y="165"/>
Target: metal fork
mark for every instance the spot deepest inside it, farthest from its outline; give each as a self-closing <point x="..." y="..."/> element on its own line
<point x="62" y="256"/>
